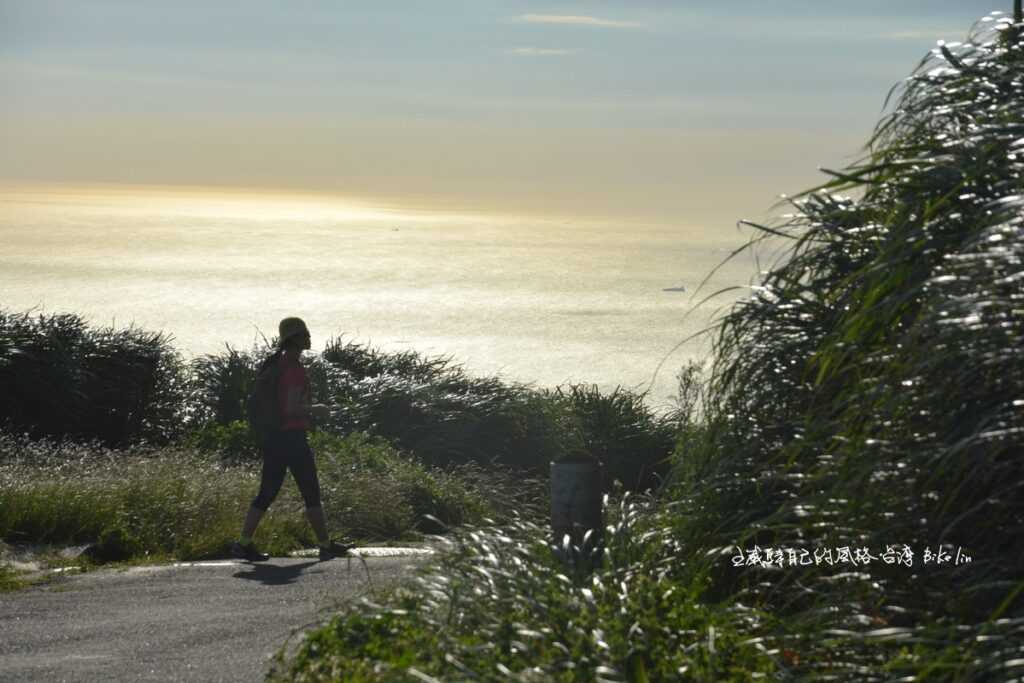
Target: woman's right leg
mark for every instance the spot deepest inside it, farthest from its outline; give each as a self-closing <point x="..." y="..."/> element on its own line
<point x="303" y="467"/>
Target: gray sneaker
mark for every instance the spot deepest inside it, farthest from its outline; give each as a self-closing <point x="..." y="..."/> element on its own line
<point x="248" y="552"/>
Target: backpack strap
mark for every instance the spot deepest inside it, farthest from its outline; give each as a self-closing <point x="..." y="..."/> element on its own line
<point x="270" y="360"/>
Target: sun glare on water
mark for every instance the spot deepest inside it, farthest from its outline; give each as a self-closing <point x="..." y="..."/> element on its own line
<point x="229" y="204"/>
<point x="540" y="300"/>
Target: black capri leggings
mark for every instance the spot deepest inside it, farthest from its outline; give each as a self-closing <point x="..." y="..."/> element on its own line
<point x="285" y="451"/>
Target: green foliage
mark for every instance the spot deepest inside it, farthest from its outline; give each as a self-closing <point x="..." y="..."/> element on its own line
<point x="115" y="543"/>
<point x="10" y="579"/>
<point x="186" y="504"/>
<point x="63" y="379"/>
<point x="152" y="501"/>
<point x="122" y="387"/>
<point x="868" y="394"/>
<point x="221" y="384"/>
<point x="383" y="494"/>
<point x="498" y="606"/>
<point x="435" y="411"/>
<point x="232" y="442"/>
<point x="620" y="431"/>
<point x="362" y="362"/>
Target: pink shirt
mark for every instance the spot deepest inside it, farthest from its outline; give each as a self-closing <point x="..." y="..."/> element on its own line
<point x="293" y="375"/>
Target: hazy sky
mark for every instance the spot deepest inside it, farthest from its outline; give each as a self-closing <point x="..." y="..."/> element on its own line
<point x="698" y="109"/>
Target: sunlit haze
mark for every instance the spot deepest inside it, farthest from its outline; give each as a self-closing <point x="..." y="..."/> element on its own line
<point x="511" y="183"/>
<point x="686" y="111"/>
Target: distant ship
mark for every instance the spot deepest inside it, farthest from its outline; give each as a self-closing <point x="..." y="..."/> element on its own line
<point x="678" y="288"/>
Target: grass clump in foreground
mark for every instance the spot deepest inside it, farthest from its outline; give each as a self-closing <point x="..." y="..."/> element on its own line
<point x="869" y="395"/>
<point x="11" y="579"/>
<point x="175" y="502"/>
<point x="499" y="607"/>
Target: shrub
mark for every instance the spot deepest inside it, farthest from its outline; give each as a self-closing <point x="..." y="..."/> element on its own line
<point x="221" y="384"/>
<point x="434" y="409"/>
<point x="620" y="431"/>
<point x="866" y="395"/>
<point x="148" y="501"/>
<point x="374" y="491"/>
<point x="425" y="406"/>
<point x="182" y="503"/>
<point x="10" y="579"/>
<point x="498" y="606"/>
<point x="232" y="442"/>
<point x="64" y="379"/>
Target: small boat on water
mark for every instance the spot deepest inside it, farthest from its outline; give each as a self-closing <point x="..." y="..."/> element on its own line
<point x="678" y="288"/>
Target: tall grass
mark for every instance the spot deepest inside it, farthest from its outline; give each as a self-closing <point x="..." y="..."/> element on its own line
<point x="65" y="379"/>
<point x="435" y="410"/>
<point x="124" y="446"/>
<point x="869" y="394"/>
<point x="499" y="607"/>
<point x="620" y="431"/>
<point x="221" y="383"/>
<point x="170" y="501"/>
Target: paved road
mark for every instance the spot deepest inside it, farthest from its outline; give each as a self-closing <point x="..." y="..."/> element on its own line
<point x="209" y="621"/>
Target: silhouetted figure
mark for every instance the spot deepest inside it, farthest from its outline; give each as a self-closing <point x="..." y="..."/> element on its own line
<point x="287" y="448"/>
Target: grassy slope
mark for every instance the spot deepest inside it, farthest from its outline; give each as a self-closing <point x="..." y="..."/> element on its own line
<point x="174" y="502"/>
<point x="870" y="394"/>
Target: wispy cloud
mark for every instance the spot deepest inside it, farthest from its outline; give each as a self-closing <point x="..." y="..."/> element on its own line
<point x="577" y="20"/>
<point x="542" y="51"/>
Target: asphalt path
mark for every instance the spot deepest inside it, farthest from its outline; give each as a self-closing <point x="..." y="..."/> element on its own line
<point x="202" y="621"/>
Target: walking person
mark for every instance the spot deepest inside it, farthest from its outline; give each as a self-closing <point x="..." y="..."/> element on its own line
<point x="288" y="448"/>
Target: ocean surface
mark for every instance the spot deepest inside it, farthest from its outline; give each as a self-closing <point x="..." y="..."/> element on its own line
<point x="532" y="299"/>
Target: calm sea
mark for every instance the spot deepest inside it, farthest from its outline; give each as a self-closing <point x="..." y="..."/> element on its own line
<point x="529" y="299"/>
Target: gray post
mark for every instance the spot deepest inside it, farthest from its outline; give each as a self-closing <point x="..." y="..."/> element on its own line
<point x="576" y="495"/>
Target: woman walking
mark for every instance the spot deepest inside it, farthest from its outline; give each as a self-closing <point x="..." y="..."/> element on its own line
<point x="288" y="447"/>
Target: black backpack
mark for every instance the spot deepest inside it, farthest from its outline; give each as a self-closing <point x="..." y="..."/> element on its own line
<point x="262" y="408"/>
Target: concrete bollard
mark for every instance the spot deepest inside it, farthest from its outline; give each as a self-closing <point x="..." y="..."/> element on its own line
<point x="576" y="503"/>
